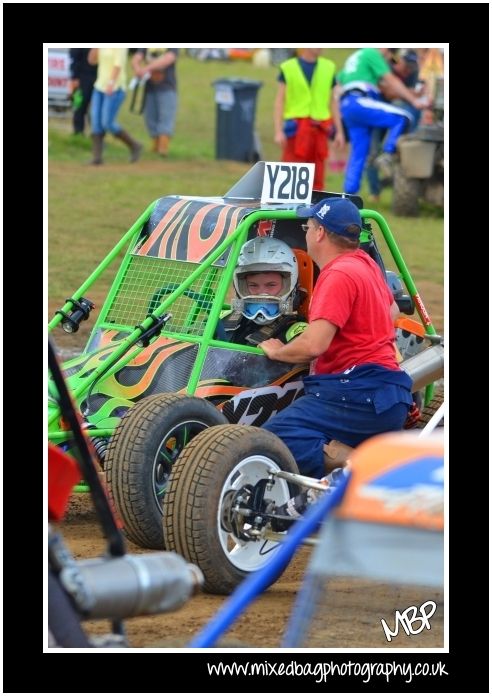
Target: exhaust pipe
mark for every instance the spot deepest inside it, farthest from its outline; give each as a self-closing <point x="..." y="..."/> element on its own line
<point x="425" y="367"/>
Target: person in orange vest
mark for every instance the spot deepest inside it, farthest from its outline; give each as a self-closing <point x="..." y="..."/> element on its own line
<point x="306" y="109"/>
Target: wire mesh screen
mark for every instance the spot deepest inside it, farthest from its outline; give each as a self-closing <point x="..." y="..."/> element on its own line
<point x="147" y="282"/>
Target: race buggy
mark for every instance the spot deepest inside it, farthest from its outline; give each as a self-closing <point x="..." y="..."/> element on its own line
<point x="157" y="375"/>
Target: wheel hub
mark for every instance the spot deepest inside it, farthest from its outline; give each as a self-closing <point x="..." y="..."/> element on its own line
<point x="236" y="512"/>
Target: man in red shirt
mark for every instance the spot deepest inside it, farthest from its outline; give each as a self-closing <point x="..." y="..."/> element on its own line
<point x="355" y="389"/>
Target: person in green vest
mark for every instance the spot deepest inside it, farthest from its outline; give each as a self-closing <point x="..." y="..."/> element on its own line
<point x="306" y="109"/>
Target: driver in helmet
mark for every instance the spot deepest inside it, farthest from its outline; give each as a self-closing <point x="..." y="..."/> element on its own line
<point x="266" y="284"/>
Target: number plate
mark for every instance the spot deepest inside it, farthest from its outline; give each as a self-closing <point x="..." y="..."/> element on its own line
<point x="287" y="182"/>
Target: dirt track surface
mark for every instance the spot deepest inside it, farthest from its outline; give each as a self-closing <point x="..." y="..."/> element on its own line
<point x="351" y="616"/>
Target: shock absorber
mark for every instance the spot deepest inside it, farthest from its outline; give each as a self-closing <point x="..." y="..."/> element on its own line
<point x="100" y="445"/>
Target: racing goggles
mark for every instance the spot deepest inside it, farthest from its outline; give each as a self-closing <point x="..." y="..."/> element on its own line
<point x="266" y="309"/>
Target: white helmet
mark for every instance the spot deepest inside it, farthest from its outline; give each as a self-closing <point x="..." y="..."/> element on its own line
<point x="265" y="254"/>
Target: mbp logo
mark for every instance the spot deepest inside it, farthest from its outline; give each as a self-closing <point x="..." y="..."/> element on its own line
<point x="408" y="618"/>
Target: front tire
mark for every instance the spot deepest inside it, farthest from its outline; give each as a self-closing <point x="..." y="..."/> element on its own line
<point x="141" y="454"/>
<point x="220" y="460"/>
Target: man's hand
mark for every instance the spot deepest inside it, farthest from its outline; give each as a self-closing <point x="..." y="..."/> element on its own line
<point x="314" y="340"/>
<point x="422" y="103"/>
<point x="271" y="347"/>
<point x="141" y="71"/>
<point x="73" y="85"/>
<point x="339" y="141"/>
<point x="280" y="138"/>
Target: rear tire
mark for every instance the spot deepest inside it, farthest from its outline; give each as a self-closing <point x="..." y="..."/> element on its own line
<point x="141" y="454"/>
<point x="432" y="407"/>
<point x="406" y="193"/>
<point x="215" y="462"/>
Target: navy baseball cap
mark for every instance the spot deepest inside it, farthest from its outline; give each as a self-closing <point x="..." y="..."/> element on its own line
<point x="410" y="56"/>
<point x="336" y="214"/>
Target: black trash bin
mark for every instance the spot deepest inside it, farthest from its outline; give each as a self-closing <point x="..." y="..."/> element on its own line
<point x="235" y="138"/>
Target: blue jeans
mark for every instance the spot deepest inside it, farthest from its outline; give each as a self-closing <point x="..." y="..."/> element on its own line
<point x="372" y="172"/>
<point x="361" y="115"/>
<point x="351" y="407"/>
<point x="104" y="109"/>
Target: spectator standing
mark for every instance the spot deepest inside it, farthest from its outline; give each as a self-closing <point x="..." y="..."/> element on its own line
<point x="431" y="69"/>
<point x="82" y="78"/>
<point x="305" y="109"/>
<point x="160" y="97"/>
<point x="406" y="67"/>
<point x="107" y="98"/>
<point x="365" y="73"/>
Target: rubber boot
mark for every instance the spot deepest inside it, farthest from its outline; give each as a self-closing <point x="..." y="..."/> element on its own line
<point x="163" y="145"/>
<point x="135" y="147"/>
<point x="97" y="148"/>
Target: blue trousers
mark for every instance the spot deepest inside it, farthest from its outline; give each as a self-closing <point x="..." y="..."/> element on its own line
<point x="372" y="172"/>
<point x="104" y="110"/>
<point x="360" y="115"/>
<point x="350" y="407"/>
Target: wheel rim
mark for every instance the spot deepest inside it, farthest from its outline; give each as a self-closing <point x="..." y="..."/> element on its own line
<point x="250" y="555"/>
<point x="169" y="449"/>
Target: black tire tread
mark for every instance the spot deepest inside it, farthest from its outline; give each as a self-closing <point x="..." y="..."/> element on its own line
<point x="405" y="193"/>
<point x="190" y="518"/>
<point x="122" y="463"/>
